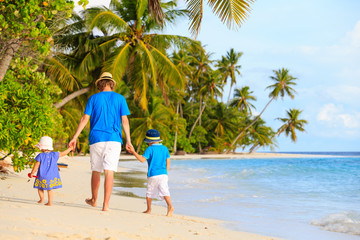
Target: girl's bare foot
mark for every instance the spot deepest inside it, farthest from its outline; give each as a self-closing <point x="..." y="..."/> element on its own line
<point x="41" y="201"/>
<point x="91" y="202"/>
<point x="148" y="211"/>
<point x="170" y="211"/>
<point x="48" y="204"/>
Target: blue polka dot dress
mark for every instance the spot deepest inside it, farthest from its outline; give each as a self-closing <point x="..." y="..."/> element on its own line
<point x="48" y="176"/>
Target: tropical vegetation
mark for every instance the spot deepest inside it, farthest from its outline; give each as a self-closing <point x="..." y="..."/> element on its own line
<point x="171" y="82"/>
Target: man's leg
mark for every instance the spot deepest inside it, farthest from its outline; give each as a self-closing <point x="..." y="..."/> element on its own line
<point x="148" y="204"/>
<point x="108" y="186"/>
<point x="170" y="207"/>
<point x="95" y="184"/>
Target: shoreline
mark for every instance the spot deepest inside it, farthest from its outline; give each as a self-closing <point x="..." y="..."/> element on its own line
<point x="71" y="218"/>
<point x="233" y="156"/>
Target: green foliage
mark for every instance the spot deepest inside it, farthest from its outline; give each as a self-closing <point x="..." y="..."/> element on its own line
<point x="26" y="112"/>
<point x="26" y="22"/>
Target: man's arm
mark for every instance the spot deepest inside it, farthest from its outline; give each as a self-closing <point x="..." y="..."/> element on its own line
<point x="83" y="121"/>
<point x="168" y="164"/>
<point x="126" y="126"/>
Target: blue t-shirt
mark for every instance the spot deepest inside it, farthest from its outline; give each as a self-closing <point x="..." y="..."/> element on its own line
<point x="106" y="109"/>
<point x="156" y="156"/>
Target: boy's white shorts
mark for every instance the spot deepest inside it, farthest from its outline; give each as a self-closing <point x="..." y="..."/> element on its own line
<point x="157" y="186"/>
<point x="105" y="156"/>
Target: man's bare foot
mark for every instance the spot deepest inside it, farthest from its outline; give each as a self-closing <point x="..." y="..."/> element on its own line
<point x="148" y="211"/>
<point x="105" y="207"/>
<point x="41" y="201"/>
<point x="91" y="202"/>
<point x="170" y="211"/>
<point x="48" y="204"/>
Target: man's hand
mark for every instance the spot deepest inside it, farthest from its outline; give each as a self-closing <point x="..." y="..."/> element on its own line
<point x="129" y="147"/>
<point x="72" y="144"/>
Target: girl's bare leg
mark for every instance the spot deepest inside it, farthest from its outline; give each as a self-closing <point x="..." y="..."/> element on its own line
<point x="50" y="197"/>
<point x="170" y="207"/>
<point x="148" y="203"/>
<point x="41" y="195"/>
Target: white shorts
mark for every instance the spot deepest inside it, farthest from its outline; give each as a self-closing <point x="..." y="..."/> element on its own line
<point x="105" y="156"/>
<point x="157" y="186"/>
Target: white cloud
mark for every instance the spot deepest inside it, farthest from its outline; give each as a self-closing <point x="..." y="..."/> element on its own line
<point x="335" y="116"/>
<point x="344" y="94"/>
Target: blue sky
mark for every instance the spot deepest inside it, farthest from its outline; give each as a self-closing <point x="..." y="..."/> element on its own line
<point x="319" y="42"/>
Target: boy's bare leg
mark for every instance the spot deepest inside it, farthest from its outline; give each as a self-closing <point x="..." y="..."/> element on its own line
<point x="50" y="197"/>
<point x="148" y="203"/>
<point x="170" y="207"/>
<point x="108" y="186"/>
<point x="95" y="184"/>
<point x="41" y="195"/>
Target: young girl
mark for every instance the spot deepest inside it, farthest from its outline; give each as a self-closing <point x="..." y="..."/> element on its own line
<point x="47" y="177"/>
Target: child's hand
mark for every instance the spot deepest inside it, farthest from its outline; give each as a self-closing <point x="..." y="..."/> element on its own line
<point x="30" y="176"/>
<point x="131" y="149"/>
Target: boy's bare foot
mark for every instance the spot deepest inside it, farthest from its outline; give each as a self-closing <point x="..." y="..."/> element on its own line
<point x="41" y="201"/>
<point x="91" y="202"/>
<point x="170" y="211"/>
<point x="147" y="211"/>
<point x="48" y="204"/>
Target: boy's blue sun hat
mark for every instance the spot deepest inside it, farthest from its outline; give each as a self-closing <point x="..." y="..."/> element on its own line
<point x="152" y="135"/>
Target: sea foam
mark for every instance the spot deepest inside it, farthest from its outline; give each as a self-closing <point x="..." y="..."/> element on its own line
<point x="344" y="222"/>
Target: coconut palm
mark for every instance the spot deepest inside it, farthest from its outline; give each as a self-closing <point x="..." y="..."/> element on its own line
<point x="231" y="12"/>
<point x="137" y="50"/>
<point x="281" y="87"/>
<point x="261" y="136"/>
<point x="242" y="99"/>
<point x="292" y="123"/>
<point x="156" y="117"/>
<point x="221" y="119"/>
<point x="229" y="68"/>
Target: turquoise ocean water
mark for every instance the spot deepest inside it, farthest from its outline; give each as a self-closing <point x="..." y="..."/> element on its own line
<point x="291" y="198"/>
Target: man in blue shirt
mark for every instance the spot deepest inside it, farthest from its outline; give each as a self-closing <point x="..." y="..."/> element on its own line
<point x="107" y="112"/>
<point x="158" y="159"/>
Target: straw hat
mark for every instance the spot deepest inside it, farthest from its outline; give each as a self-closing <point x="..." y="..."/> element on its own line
<point x="46" y="143"/>
<point x="105" y="76"/>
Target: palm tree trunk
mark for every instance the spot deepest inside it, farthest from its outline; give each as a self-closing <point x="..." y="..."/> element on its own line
<point x="247" y="127"/>
<point x="229" y="95"/>
<point x="71" y="97"/>
<point x="7" y="57"/>
<point x="192" y="129"/>
<point x="176" y="127"/>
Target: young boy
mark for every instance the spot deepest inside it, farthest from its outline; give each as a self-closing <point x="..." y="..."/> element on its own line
<point x="158" y="159"/>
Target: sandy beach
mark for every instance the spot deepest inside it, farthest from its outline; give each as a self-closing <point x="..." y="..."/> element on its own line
<point x="71" y="218"/>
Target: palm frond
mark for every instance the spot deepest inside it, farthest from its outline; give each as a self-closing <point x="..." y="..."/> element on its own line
<point x="59" y="71"/>
<point x="168" y="70"/>
<point x="118" y="62"/>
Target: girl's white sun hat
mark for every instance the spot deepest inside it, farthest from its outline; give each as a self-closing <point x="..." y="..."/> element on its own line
<point x="46" y="143"/>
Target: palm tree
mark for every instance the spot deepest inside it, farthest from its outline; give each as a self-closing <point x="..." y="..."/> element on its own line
<point x="137" y="50"/>
<point x="261" y="136"/>
<point x="242" y="98"/>
<point x="221" y="119"/>
<point x="229" y="68"/>
<point x="231" y="12"/>
<point x="156" y="117"/>
<point x="292" y="123"/>
<point x="281" y="87"/>
<point x="211" y="88"/>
